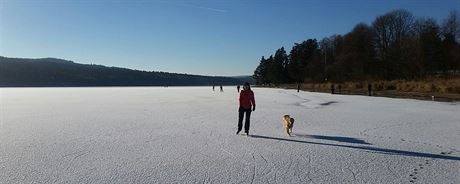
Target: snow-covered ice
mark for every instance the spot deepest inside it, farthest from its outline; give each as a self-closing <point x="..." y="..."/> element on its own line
<point x="187" y="135"/>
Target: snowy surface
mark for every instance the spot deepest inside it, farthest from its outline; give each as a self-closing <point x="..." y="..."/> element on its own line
<point x="187" y="135"/>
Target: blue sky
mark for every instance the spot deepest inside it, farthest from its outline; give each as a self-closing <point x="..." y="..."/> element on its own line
<point x="220" y="37"/>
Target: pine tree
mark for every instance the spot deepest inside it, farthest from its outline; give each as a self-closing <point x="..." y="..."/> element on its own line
<point x="260" y="72"/>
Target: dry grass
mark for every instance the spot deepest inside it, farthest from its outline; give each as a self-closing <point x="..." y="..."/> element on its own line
<point x="422" y="86"/>
<point x="442" y="89"/>
<point x="433" y="86"/>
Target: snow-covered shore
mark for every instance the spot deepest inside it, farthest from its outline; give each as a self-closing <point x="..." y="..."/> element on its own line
<point x="187" y="135"/>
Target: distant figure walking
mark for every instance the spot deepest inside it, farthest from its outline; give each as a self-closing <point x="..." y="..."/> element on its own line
<point x="247" y="101"/>
<point x="213" y="87"/>
<point x="340" y="89"/>
<point x="238" y="88"/>
<point x="369" y="89"/>
<point x="332" y="88"/>
<point x="221" y="88"/>
<point x="298" y="87"/>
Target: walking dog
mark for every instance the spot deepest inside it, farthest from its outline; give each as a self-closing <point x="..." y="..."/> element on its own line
<point x="288" y="123"/>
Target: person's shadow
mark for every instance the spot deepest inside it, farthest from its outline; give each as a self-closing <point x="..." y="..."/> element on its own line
<point x="360" y="147"/>
<point x="334" y="138"/>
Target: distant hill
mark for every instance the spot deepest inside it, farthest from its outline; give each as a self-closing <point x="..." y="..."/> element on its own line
<point x="52" y="72"/>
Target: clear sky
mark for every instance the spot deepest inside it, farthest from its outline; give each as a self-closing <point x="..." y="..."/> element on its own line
<point x="219" y="37"/>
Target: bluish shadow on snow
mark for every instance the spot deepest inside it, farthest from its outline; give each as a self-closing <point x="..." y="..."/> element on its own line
<point x="335" y="138"/>
<point x="366" y="148"/>
<point x="328" y="103"/>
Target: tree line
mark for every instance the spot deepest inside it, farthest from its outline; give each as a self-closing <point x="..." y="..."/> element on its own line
<point x="395" y="45"/>
<point x="51" y="72"/>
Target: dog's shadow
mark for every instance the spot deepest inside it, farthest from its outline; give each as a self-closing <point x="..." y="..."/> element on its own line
<point x="333" y="138"/>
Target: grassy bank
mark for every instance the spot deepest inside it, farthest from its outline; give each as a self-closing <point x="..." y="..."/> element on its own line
<point x="441" y="89"/>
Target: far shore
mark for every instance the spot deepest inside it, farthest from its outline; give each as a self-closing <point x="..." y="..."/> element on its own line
<point x="444" y="90"/>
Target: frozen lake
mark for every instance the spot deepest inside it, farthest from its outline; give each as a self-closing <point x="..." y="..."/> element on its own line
<point x="187" y="135"/>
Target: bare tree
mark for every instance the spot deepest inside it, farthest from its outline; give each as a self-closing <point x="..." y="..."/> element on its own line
<point x="451" y="26"/>
<point x="391" y="30"/>
<point x="427" y="47"/>
<point x="451" y="40"/>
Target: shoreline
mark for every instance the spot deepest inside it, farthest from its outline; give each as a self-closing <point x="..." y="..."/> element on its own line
<point x="440" y="97"/>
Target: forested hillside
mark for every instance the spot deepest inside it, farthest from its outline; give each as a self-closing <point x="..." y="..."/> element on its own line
<point x="51" y="72"/>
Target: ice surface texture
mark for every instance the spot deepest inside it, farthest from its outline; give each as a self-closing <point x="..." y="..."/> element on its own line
<point x="187" y="135"/>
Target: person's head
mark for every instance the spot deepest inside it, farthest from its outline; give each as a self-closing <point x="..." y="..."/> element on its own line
<point x="246" y="86"/>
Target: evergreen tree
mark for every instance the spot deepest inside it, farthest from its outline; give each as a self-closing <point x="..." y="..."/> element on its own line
<point x="280" y="66"/>
<point x="271" y="72"/>
<point x="357" y="54"/>
<point x="260" y="72"/>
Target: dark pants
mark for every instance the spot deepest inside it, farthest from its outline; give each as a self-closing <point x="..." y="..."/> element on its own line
<point x="241" y="112"/>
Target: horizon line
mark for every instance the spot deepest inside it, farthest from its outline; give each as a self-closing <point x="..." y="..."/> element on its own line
<point x="143" y="70"/>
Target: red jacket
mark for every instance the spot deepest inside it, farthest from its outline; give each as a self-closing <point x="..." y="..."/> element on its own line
<point x="247" y="99"/>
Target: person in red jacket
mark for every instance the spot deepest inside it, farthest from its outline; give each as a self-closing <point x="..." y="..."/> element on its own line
<point x="246" y="102"/>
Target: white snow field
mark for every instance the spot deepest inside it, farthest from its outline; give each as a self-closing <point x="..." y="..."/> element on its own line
<point x="187" y="135"/>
